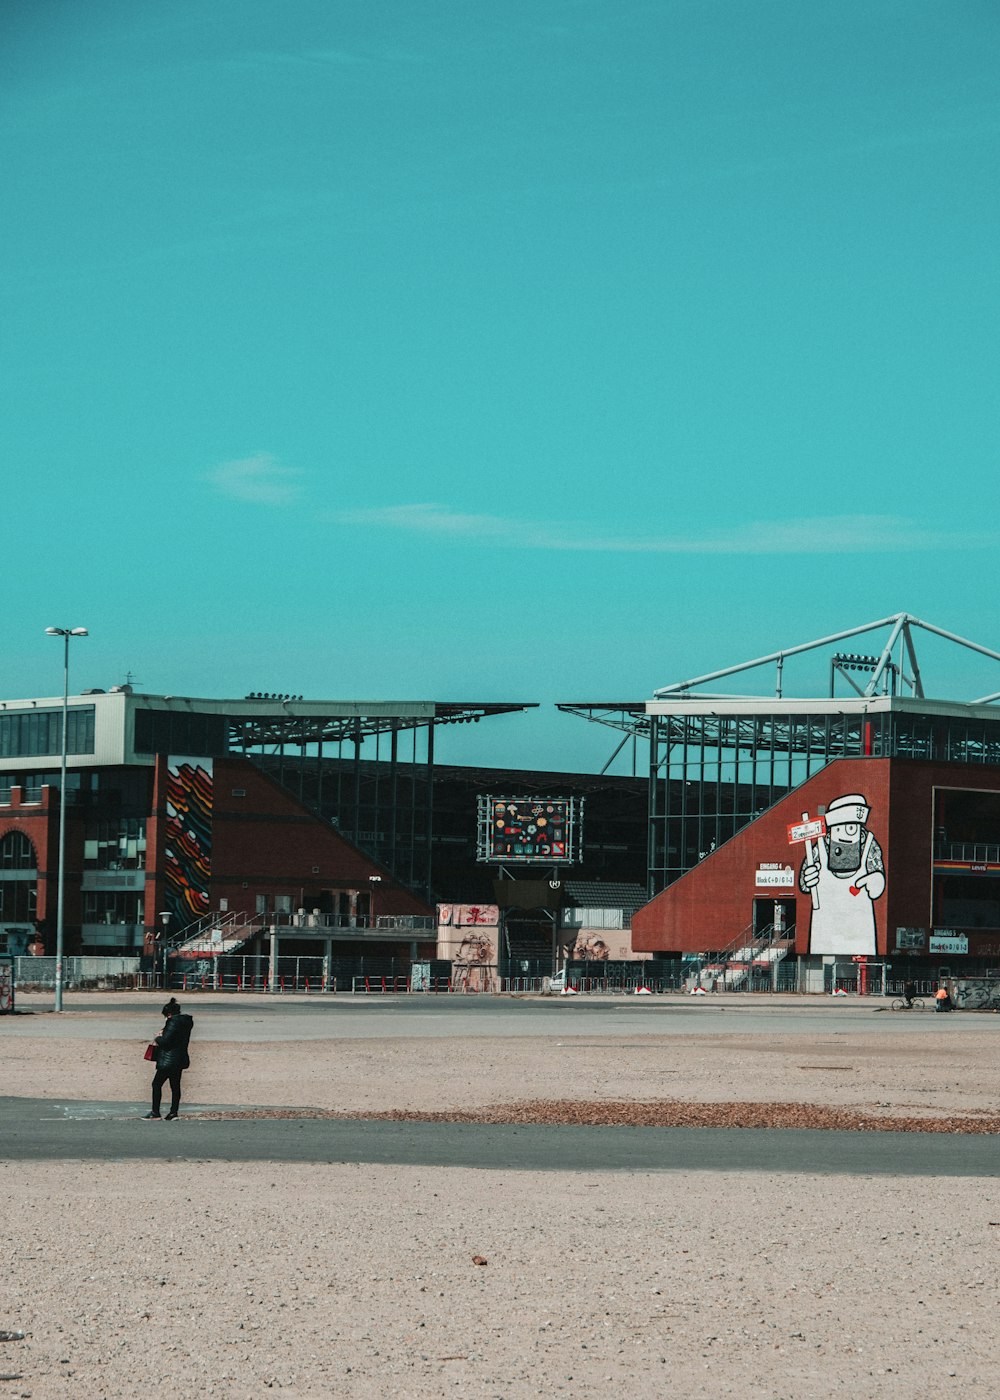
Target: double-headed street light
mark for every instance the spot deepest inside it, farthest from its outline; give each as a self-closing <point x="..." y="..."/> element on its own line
<point x="65" y="633"/>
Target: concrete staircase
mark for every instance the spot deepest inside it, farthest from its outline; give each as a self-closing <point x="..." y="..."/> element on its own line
<point x="731" y="967"/>
<point x="216" y="935"/>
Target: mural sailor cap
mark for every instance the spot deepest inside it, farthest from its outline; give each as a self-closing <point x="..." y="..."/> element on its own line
<point x="852" y="808"/>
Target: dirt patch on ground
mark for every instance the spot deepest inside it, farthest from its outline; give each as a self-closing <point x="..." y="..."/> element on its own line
<point x="662" y="1114"/>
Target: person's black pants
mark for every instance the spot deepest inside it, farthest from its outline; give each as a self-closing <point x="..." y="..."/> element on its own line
<point x="159" y="1079"/>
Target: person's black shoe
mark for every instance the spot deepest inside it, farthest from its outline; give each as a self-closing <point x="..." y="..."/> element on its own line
<point x="169" y="1116"/>
<point x="152" y="1115"/>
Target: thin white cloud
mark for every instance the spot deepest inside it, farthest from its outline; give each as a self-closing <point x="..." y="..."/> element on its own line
<point x="840" y="534"/>
<point x="308" y="58"/>
<point x="259" y="480"/>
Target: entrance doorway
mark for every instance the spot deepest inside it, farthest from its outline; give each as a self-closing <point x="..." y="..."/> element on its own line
<point x="775" y="916"/>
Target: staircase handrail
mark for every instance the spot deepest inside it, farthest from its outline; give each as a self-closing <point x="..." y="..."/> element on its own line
<point x="748" y="939"/>
<point x="235" y="922"/>
<point x="735" y="962"/>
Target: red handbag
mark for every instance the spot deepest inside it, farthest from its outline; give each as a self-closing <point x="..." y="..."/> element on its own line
<point x="151" y="1052"/>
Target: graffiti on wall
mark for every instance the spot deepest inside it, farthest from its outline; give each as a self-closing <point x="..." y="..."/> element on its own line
<point x="590" y="947"/>
<point x="474" y="949"/>
<point x="843" y="873"/>
<point x="188" y="847"/>
<point x="976" y="993"/>
<point x="468" y="934"/>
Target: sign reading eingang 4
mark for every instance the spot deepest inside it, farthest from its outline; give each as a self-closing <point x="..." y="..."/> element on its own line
<point x="530" y="830"/>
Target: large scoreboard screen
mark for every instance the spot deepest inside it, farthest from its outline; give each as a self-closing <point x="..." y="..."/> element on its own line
<point x="530" y="830"/>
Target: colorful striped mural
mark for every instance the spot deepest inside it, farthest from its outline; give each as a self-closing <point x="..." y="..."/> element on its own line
<point x="188" y="847"/>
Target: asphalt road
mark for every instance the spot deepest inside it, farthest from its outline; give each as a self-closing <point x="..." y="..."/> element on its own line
<point x="34" y="1130"/>
<point x="267" y="1018"/>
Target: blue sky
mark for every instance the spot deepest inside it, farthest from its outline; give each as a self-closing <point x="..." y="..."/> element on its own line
<point x="542" y="350"/>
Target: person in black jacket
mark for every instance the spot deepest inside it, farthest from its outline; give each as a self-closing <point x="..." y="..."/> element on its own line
<point x="171" y="1057"/>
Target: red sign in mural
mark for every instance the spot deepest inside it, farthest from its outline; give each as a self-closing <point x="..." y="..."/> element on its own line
<point x="806" y="830"/>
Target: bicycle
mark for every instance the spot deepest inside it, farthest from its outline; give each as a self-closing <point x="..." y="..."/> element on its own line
<point x="901" y="1004"/>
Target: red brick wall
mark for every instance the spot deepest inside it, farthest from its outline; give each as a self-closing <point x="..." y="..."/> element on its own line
<point x="909" y="891"/>
<point x="711" y="905"/>
<point x="40" y="823"/>
<point x="269" y="843"/>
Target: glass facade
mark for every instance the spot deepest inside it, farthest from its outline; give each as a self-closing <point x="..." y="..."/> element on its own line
<point x="119" y="844"/>
<point x="18" y="879"/>
<point x="712" y="774"/>
<point x="167" y="731"/>
<point x="27" y="733"/>
<point x="114" y="790"/>
<point x="112" y="907"/>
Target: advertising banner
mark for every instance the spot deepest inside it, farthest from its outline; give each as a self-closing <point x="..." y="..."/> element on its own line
<point x="911" y="939"/>
<point x="467" y="915"/>
<point x="530" y="830"/>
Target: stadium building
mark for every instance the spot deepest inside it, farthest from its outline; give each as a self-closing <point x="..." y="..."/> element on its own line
<point x="207" y="824"/>
<point x="847" y="836"/>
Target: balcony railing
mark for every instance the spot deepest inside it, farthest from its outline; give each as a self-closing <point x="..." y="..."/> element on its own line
<point x="383" y="923"/>
<point x="972" y="852"/>
<point x="29" y="795"/>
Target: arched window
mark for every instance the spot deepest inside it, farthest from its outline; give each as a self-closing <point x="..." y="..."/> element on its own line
<point x="18" y="879"/>
<point x="17" y="852"/>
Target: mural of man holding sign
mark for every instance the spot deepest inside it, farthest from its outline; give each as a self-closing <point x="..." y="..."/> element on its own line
<point x="843" y="872"/>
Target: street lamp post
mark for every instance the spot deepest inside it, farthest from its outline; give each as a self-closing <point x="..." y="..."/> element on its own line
<point x="374" y="881"/>
<point x="65" y="633"/>
<point x="165" y="916"/>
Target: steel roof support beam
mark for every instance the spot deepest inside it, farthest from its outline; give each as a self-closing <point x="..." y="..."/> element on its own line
<point x="951" y="637"/>
<point x="776" y="656"/>
<point x="886" y="658"/>
<point x="901" y="624"/>
<point x="916" y="685"/>
<point x="638" y="726"/>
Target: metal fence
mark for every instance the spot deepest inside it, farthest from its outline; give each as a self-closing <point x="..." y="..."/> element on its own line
<point x="378" y="976"/>
<point x="313" y="975"/>
<point x="84" y="973"/>
<point x="624" y="986"/>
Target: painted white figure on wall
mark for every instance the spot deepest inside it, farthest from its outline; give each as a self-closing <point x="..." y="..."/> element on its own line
<point x="844" y="874"/>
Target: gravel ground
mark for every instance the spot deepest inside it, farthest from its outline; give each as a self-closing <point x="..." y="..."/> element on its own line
<point x="313" y="1281"/>
<point x="946" y="1065"/>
